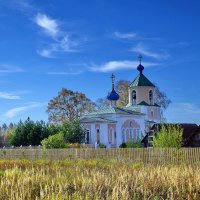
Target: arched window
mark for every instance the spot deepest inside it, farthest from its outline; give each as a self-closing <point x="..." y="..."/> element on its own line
<point x="152" y="114"/>
<point x="123" y="136"/>
<point x="134" y="97"/>
<point x="151" y="97"/>
<point x="98" y="136"/>
<point x="87" y="136"/>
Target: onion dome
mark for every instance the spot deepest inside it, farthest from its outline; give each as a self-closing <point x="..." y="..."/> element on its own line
<point x="140" y="68"/>
<point x="113" y="96"/>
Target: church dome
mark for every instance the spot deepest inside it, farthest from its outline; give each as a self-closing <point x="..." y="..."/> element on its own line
<point x="113" y="96"/>
<point x="140" y="68"/>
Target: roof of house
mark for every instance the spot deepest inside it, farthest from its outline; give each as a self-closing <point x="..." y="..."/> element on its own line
<point x="112" y="110"/>
<point x="144" y="103"/>
<point x="96" y="119"/>
<point x="141" y="80"/>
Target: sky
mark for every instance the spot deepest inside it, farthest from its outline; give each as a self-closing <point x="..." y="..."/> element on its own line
<point x="49" y="45"/>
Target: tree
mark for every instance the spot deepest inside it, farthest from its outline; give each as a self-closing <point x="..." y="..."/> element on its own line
<point x="29" y="133"/>
<point x="168" y="136"/>
<point x="161" y="99"/>
<point x="8" y="134"/>
<point x="122" y="87"/>
<point x="68" y="106"/>
<point x="73" y="132"/>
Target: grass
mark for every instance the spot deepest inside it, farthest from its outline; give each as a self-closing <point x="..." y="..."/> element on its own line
<point x="96" y="179"/>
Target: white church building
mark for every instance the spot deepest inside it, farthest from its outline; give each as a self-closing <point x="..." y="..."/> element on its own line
<point x="113" y="126"/>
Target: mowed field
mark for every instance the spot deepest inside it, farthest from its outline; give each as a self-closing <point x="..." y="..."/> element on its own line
<point x="96" y="179"/>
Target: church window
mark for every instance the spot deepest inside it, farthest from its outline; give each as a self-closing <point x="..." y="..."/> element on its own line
<point x="98" y="136"/>
<point x="152" y="115"/>
<point x="123" y="136"/>
<point x="87" y="137"/>
<point x="127" y="135"/>
<point x="110" y="136"/>
<point x="131" y="134"/>
<point x="134" y="97"/>
<point x="151" y="97"/>
<point x="138" y="134"/>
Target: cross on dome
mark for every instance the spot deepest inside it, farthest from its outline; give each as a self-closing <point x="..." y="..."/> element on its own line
<point x="140" y="68"/>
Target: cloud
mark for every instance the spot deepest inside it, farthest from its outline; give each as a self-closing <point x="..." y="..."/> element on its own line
<point x="6" y="68"/>
<point x="65" y="73"/>
<point x="183" y="112"/>
<point x="142" y="49"/>
<point x="187" y="107"/>
<point x="127" y="36"/>
<point x="5" y="95"/>
<point x="50" y="26"/>
<point x="16" y="111"/>
<point x="61" y="40"/>
<point x="118" y="65"/>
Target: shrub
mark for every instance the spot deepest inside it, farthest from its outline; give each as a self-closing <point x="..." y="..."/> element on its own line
<point x="54" y="141"/>
<point x="102" y="145"/>
<point x="168" y="136"/>
<point x="131" y="144"/>
<point x="123" y="145"/>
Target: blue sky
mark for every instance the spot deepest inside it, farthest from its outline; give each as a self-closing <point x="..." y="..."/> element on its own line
<point x="47" y="45"/>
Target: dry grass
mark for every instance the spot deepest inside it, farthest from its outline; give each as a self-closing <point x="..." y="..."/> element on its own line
<point x="97" y="179"/>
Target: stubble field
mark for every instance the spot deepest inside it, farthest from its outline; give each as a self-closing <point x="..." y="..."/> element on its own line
<point x="96" y="179"/>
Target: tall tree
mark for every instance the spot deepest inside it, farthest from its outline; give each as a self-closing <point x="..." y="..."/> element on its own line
<point x="29" y="133"/>
<point x="68" y="106"/>
<point x="122" y="89"/>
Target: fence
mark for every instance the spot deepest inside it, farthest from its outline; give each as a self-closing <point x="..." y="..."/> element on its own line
<point x="159" y="156"/>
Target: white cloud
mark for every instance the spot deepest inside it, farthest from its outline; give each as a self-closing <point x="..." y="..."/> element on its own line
<point x="16" y="111"/>
<point x="142" y="49"/>
<point x="61" y="41"/>
<point x="118" y="65"/>
<point x="188" y="107"/>
<point x="5" y="69"/>
<point x="128" y="36"/>
<point x="47" y="53"/>
<point x="50" y="26"/>
<point x="63" y="45"/>
<point x="5" y="95"/>
<point x="65" y="73"/>
<point x="183" y="112"/>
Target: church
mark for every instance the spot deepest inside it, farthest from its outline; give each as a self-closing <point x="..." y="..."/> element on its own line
<point x="114" y="125"/>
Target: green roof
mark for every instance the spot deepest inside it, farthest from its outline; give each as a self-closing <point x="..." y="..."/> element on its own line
<point x="111" y="110"/>
<point x="143" y="103"/>
<point x="90" y="119"/>
<point x="141" y="80"/>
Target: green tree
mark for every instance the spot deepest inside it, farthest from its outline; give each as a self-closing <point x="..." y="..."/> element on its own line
<point x="8" y="134"/>
<point x="68" y="106"/>
<point x="54" y="141"/>
<point x="168" y="136"/>
<point x="73" y="132"/>
<point x="29" y="133"/>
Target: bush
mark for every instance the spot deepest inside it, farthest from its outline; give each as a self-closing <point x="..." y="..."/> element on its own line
<point x="123" y="145"/>
<point x="54" y="141"/>
<point x="131" y="144"/>
<point x="168" y="136"/>
<point x="102" y="145"/>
